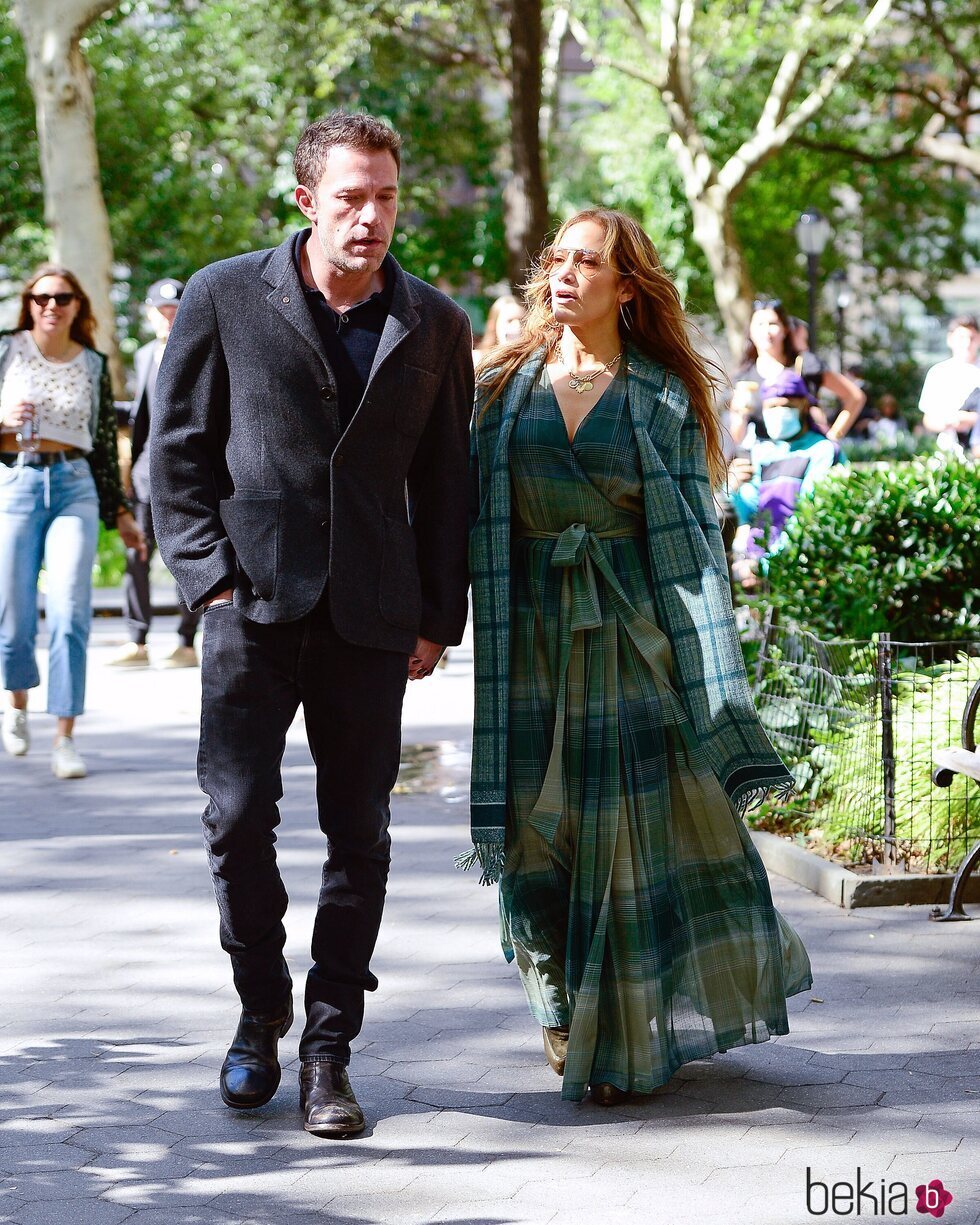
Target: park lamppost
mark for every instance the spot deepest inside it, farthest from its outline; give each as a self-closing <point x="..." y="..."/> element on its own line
<point x="839" y="299"/>
<point x="812" y="235"/>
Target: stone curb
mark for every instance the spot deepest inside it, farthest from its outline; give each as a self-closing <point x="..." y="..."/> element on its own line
<point x="850" y="890"/>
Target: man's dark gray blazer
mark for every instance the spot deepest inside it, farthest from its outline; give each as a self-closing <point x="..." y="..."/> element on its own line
<point x="256" y="488"/>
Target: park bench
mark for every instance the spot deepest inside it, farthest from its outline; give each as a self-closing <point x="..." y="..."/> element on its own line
<point x="962" y="759"/>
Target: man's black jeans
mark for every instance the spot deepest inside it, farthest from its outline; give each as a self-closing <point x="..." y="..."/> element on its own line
<point x="253" y="679"/>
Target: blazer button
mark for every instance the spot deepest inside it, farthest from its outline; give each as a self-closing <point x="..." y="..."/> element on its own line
<point x="325" y="524"/>
<point x="285" y="301"/>
<point x="326" y="393"/>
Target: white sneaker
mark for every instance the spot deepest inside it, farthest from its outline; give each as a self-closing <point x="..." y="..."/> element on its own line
<point x="133" y="655"/>
<point x="65" y="761"/>
<point x="16" y="738"/>
<point x="181" y="657"/>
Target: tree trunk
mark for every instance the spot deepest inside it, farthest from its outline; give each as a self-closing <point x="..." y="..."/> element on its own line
<point x="74" y="206"/>
<point x="526" y="220"/>
<point x="715" y="235"/>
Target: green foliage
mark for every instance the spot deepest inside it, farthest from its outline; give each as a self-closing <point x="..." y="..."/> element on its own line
<point x="110" y="559"/>
<point x="20" y="176"/>
<point x="906" y="215"/>
<point x="885" y="549"/>
<point x="199" y="106"/>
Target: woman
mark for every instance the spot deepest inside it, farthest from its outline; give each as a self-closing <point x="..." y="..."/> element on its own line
<point x="504" y="321"/>
<point x="615" y="741"/>
<point x="58" y="473"/>
<point x="773" y="345"/>
<point x="817" y="376"/>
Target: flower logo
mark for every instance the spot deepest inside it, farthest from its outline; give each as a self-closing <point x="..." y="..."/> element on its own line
<point x="933" y="1199"/>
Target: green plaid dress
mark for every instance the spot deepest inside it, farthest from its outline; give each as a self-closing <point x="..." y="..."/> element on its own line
<point x="635" y="905"/>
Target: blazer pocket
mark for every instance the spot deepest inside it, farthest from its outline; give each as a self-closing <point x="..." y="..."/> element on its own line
<point x="400" y="596"/>
<point x="251" y="519"/>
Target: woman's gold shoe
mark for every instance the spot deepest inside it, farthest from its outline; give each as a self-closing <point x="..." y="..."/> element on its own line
<point x="556" y="1047"/>
<point x="607" y="1095"/>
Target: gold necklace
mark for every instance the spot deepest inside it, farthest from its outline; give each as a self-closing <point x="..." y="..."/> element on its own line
<point x="585" y="382"/>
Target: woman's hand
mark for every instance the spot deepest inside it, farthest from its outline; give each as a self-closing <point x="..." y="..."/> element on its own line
<point x="423" y="659"/>
<point x="739" y="471"/>
<point x="16" y="416"/>
<point x="130" y="534"/>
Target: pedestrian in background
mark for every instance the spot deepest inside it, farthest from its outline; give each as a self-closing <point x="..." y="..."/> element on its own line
<point x="849" y="393"/>
<point x="616" y="743"/>
<point x="59" y="474"/>
<point x="162" y="300"/>
<point x="948" y="402"/>
<point x="504" y="321"/>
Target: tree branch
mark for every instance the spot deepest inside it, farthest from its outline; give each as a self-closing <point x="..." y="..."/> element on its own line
<point x="762" y="144"/>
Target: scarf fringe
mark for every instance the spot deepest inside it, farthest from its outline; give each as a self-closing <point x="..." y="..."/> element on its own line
<point x="754" y="797"/>
<point x="490" y="857"/>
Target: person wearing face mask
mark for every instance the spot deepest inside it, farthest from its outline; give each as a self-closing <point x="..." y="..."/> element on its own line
<point x="783" y="468"/>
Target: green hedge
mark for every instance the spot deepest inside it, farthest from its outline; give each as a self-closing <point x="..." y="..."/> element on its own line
<point x="110" y="559"/>
<point x="885" y="549"/>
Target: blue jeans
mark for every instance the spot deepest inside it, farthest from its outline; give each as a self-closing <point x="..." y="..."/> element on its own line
<point x="50" y="514"/>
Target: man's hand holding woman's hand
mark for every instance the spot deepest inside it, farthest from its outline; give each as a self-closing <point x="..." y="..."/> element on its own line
<point x="423" y="659"/>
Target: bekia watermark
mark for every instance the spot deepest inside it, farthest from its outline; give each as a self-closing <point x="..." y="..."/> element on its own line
<point x="871" y="1198"/>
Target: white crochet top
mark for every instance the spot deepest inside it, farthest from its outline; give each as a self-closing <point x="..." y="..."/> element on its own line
<point x="61" y="392"/>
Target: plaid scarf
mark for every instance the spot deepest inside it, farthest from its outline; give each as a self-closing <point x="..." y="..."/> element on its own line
<point x="691" y="593"/>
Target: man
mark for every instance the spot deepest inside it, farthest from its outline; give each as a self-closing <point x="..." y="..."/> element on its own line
<point x="161" y="304"/>
<point x="310" y="485"/>
<point x="949" y="400"/>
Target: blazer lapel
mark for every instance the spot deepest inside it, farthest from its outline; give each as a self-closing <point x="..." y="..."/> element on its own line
<point x="655" y="405"/>
<point x="286" y="296"/>
<point x="402" y="319"/>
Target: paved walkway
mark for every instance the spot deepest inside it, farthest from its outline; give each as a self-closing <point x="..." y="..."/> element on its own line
<point x="117" y="1006"/>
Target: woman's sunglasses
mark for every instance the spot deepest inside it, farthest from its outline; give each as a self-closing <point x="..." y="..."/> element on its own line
<point x="767" y="304"/>
<point x="59" y="299"/>
<point x="589" y="263"/>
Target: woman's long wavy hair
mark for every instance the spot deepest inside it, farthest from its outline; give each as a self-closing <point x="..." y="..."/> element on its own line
<point x="83" y="327"/>
<point x="653" y="320"/>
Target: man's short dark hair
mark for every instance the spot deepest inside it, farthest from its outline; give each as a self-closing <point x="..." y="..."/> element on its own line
<point x="963" y="321"/>
<point x="341" y="129"/>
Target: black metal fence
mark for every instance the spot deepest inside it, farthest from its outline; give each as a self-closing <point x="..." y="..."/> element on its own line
<point x="857" y="723"/>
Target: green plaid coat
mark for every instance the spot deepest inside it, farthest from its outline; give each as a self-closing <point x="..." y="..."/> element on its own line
<point x="691" y="590"/>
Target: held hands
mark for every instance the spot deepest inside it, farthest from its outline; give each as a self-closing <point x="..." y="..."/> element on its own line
<point x="423" y="659"/>
<point x="131" y="535"/>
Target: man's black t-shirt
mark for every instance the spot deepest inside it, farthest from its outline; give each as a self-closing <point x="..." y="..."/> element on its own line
<point x="350" y="340"/>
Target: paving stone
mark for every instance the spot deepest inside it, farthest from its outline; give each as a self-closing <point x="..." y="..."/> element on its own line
<point x="74" y="1212"/>
<point x="113" y="1084"/>
<point x="831" y="1095"/>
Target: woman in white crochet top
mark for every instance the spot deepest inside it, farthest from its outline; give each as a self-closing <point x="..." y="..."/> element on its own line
<point x="59" y="473"/>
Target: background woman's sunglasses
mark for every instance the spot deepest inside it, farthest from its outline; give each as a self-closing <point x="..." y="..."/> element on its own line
<point x="59" y="299"/>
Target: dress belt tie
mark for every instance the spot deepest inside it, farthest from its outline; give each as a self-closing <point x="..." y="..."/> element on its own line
<point x="578" y="553"/>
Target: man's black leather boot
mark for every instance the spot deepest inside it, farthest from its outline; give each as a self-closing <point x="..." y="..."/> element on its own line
<point x="250" y="1073"/>
<point x="328" y="1102"/>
